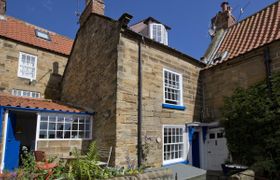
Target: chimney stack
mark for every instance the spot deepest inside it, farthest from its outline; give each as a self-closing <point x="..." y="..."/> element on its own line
<point x="224" y="19"/>
<point x="3" y="5"/>
<point x="92" y="6"/>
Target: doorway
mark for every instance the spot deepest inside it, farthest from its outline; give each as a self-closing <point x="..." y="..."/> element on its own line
<point x="195" y="150"/>
<point x="21" y="132"/>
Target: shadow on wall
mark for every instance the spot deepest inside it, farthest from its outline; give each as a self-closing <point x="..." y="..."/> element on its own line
<point x="198" y="106"/>
<point x="53" y="88"/>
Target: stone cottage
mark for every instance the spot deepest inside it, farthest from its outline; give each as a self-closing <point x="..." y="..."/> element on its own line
<point x="142" y="90"/>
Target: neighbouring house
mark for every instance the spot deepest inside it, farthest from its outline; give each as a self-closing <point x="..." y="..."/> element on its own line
<point x="32" y="62"/>
<point x="32" y="59"/>
<point x="245" y="53"/>
<point x="241" y="54"/>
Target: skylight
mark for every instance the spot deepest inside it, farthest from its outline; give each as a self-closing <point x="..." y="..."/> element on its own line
<point x="43" y="35"/>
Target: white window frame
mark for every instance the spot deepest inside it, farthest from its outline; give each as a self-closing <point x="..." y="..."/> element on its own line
<point x="21" y="93"/>
<point x="180" y="86"/>
<point x="164" y="34"/>
<point x="71" y="130"/>
<point x="21" y="64"/>
<point x="184" y="157"/>
<point x="42" y="35"/>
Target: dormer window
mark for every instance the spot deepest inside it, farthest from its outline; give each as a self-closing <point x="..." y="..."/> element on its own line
<point x="158" y="33"/>
<point x="42" y="34"/>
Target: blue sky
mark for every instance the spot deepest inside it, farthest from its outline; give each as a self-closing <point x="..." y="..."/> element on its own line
<point x="189" y="19"/>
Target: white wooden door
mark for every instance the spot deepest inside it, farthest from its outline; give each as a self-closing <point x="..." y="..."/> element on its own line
<point x="217" y="151"/>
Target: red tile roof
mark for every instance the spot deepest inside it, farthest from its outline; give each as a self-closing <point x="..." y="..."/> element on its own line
<point x="253" y="32"/>
<point x="31" y="103"/>
<point x="23" y="32"/>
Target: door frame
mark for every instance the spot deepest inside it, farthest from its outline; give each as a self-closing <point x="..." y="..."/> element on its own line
<point x="6" y="116"/>
<point x="5" y="133"/>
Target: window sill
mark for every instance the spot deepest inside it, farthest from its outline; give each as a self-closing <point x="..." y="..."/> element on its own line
<point x="87" y="139"/>
<point x="170" y="106"/>
<point x="180" y="162"/>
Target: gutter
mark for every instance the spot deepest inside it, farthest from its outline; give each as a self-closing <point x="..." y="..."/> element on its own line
<point x="44" y="110"/>
<point x="267" y="62"/>
<point x="139" y="110"/>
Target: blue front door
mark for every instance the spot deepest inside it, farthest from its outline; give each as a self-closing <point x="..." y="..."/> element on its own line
<point x="195" y="150"/>
<point x="11" y="158"/>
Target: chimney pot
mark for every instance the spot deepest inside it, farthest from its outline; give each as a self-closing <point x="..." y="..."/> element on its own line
<point x="3" y="5"/>
<point x="225" y="6"/>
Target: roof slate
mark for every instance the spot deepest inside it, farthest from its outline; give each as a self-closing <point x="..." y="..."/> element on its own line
<point x="32" y="103"/>
<point x="253" y="32"/>
<point x="24" y="32"/>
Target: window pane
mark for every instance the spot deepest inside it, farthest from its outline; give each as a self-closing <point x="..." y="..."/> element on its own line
<point x="76" y="120"/>
<point x="43" y="134"/>
<point x="52" y="119"/>
<point x="87" y="134"/>
<point x="81" y="134"/>
<point x="87" y="127"/>
<point x="44" y="118"/>
<point x="67" y="134"/>
<point x="51" y="134"/>
<point x="59" y="126"/>
<point x="81" y="120"/>
<point x="68" y="120"/>
<point x="212" y="136"/>
<point x="75" y="127"/>
<point x="52" y="126"/>
<point x="59" y="134"/>
<point x="81" y="127"/>
<point x="67" y="126"/>
<point x="74" y="134"/>
<point x="60" y="119"/>
<point x="44" y="125"/>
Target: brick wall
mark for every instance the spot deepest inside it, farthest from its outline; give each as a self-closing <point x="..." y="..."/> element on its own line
<point x="90" y="80"/>
<point x="243" y="71"/>
<point x="48" y="84"/>
<point x="154" y="116"/>
<point x="92" y="6"/>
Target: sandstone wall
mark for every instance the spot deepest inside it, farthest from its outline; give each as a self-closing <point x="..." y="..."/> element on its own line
<point x="243" y="71"/>
<point x="90" y="80"/>
<point x="48" y="83"/>
<point x="154" y="60"/>
<point x="61" y="148"/>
